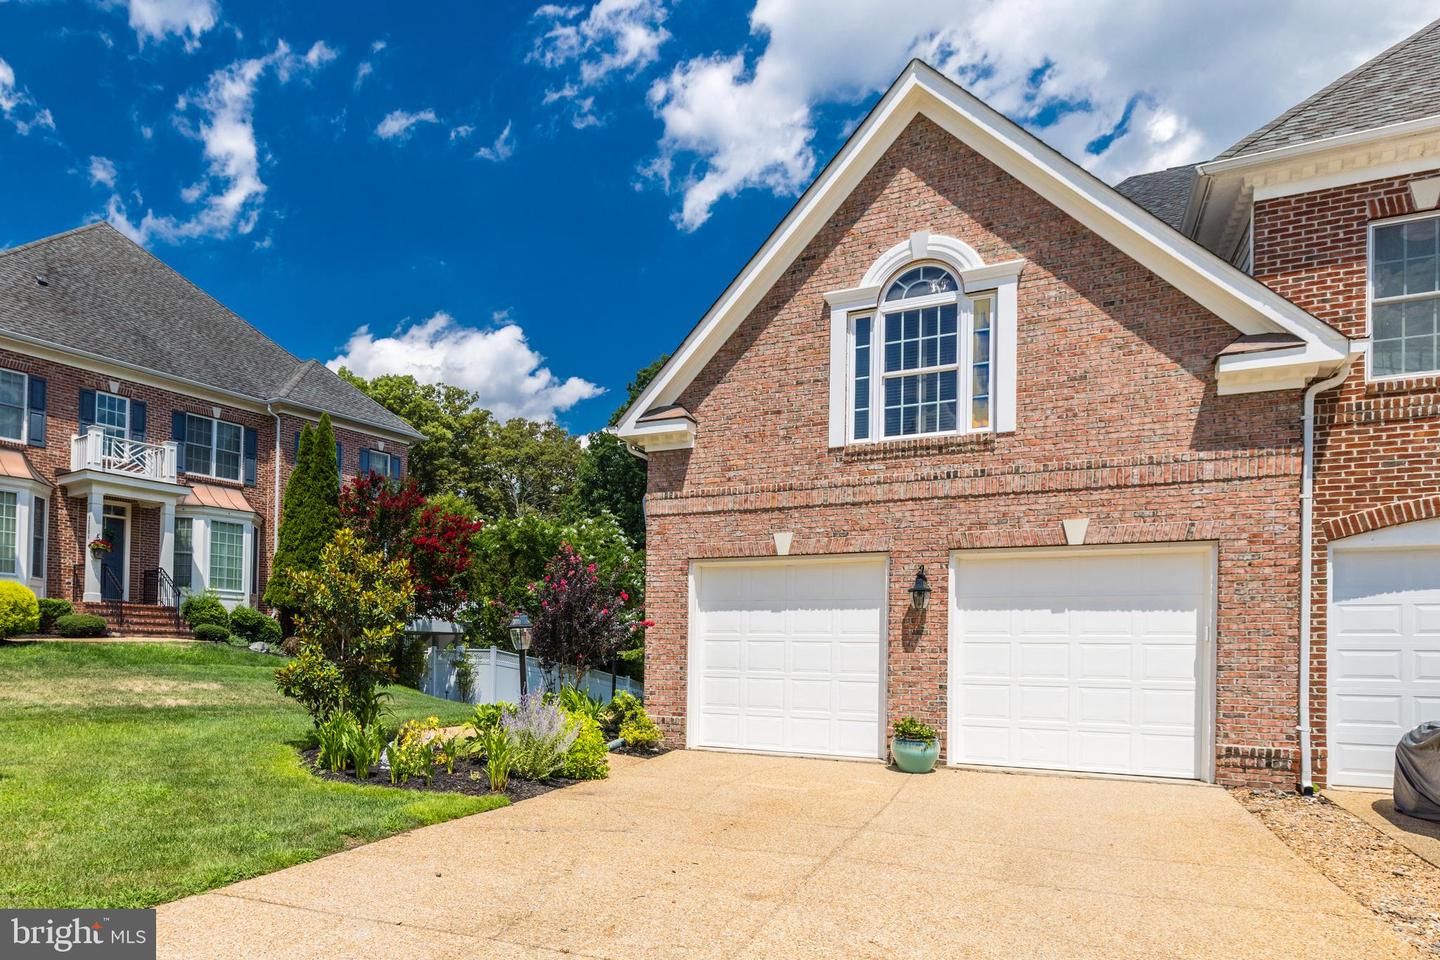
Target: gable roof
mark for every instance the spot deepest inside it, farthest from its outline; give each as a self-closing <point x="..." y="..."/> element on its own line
<point x="1400" y="84"/>
<point x="1165" y="193"/>
<point x="95" y="293"/>
<point x="1230" y="294"/>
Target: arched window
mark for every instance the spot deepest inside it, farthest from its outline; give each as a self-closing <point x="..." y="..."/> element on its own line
<point x="922" y="361"/>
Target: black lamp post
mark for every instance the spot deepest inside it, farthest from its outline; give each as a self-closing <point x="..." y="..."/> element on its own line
<point x="520" y="633"/>
<point x="920" y="592"/>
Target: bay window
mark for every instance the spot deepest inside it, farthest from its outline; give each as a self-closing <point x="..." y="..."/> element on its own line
<point x="9" y="532"/>
<point x="38" y="531"/>
<point x="227" y="556"/>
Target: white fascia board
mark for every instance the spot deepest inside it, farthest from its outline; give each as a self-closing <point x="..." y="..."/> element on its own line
<point x="1230" y="294"/>
<point x="1264" y="158"/>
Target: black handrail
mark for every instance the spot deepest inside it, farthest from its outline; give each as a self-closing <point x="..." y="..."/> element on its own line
<point x="107" y="576"/>
<point x="169" y="596"/>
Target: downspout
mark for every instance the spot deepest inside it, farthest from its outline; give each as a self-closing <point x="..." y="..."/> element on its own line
<point x="1307" y="529"/>
<point x="275" y="495"/>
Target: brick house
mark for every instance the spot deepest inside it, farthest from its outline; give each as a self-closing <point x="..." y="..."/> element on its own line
<point x="1088" y="419"/>
<point x="135" y="407"/>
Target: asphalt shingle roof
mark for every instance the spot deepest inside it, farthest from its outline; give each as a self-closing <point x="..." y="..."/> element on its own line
<point x="1403" y="83"/>
<point x="95" y="291"/>
<point x="1165" y="193"/>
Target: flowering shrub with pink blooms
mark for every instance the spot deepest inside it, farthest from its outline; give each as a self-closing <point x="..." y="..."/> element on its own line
<point x="584" y="616"/>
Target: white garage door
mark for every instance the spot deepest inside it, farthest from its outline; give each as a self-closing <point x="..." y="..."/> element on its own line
<point x="787" y="656"/>
<point x="1081" y="660"/>
<point x="1384" y="642"/>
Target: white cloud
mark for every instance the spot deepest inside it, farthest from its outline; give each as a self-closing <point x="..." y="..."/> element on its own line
<point x="613" y="36"/>
<point x="1119" y="87"/>
<point x="461" y="132"/>
<point x="102" y="171"/>
<point x="158" y="19"/>
<point x="399" y="124"/>
<point x="361" y="72"/>
<point x="498" y="364"/>
<point x="319" y="54"/>
<point x="17" y="106"/>
<point x="501" y="149"/>
<point x="231" y="191"/>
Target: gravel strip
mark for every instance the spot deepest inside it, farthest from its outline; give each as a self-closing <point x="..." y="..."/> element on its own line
<point x="1402" y="888"/>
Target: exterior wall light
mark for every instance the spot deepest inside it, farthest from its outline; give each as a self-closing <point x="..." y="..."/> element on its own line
<point x="920" y="591"/>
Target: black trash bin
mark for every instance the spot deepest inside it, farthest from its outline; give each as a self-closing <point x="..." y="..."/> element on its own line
<point x="1417" y="772"/>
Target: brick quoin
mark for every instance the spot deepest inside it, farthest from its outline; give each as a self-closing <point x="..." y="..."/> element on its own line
<point x="1118" y="420"/>
<point x="66" y="519"/>
<point x="1377" y="444"/>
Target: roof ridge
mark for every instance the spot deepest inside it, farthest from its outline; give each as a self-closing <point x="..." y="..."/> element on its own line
<point x="1238" y="147"/>
<point x="32" y="244"/>
<point x="293" y="381"/>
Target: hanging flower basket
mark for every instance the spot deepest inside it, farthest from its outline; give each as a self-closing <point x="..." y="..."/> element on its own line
<point x="100" y="546"/>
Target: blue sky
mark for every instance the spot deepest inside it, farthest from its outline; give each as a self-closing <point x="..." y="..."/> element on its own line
<point x="534" y="201"/>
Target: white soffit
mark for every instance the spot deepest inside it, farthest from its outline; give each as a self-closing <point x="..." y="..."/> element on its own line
<point x="1240" y="300"/>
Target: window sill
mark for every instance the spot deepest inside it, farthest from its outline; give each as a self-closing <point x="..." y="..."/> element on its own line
<point x="901" y="447"/>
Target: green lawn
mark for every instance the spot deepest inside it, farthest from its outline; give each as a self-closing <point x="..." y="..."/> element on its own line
<point x="134" y="774"/>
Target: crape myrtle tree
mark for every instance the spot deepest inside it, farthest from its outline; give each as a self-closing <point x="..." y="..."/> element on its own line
<point x="309" y="517"/>
<point x="436" y="544"/>
<point x="583" y="615"/>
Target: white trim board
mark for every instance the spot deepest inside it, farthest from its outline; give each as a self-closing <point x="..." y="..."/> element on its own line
<point x="1240" y="300"/>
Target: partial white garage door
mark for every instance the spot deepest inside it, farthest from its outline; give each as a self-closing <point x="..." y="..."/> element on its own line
<point x="1384" y="651"/>
<point x="1088" y="659"/>
<point x="787" y="656"/>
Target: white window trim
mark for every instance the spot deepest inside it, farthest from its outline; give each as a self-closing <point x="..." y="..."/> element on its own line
<point x="1370" y="299"/>
<point x="24" y="408"/>
<point x="215" y="448"/>
<point x="201" y="518"/>
<point x="126" y="400"/>
<point x="977" y="279"/>
<point x="390" y="463"/>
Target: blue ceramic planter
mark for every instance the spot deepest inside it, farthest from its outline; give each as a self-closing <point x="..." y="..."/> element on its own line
<point x="915" y="756"/>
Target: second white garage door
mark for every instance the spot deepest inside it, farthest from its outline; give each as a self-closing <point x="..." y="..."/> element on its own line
<point x="1087" y="659"/>
<point x="787" y="656"/>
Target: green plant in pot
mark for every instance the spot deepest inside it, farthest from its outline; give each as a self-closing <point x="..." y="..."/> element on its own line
<point x="915" y="746"/>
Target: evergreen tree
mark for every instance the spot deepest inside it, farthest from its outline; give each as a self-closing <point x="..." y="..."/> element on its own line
<point x="309" y="516"/>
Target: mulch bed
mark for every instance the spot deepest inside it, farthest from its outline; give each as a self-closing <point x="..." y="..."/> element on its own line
<point x="1400" y="887"/>
<point x="458" y="782"/>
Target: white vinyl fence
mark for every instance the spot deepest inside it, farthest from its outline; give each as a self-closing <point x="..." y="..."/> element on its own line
<point x="497" y="676"/>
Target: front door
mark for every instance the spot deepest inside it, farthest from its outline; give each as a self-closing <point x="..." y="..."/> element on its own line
<point x="112" y="564"/>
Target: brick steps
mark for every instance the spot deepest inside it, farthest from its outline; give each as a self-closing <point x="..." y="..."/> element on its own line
<point x="137" y="619"/>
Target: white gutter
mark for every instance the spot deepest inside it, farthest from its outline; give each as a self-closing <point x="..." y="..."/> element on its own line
<point x="1307" y="527"/>
<point x="1246" y="161"/>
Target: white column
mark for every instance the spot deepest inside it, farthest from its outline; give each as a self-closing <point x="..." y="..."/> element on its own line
<point x="167" y="545"/>
<point x="94" y="527"/>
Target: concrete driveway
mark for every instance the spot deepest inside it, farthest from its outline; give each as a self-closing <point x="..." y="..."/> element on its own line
<point x="716" y="855"/>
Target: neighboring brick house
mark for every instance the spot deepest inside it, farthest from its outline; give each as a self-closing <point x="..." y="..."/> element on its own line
<point x="134" y="406"/>
<point x="1069" y="410"/>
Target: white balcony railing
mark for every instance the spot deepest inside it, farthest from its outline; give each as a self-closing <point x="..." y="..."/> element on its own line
<point x="96" y="450"/>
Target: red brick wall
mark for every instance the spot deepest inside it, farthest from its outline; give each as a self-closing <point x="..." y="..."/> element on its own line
<point x="67" y="514"/>
<point x="1118" y="420"/>
<point x="1377" y="444"/>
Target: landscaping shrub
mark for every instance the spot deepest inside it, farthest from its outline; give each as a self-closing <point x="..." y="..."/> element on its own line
<point x="52" y="609"/>
<point x="80" y="625"/>
<point x="366" y="747"/>
<point x="625" y="717"/>
<point x="413" y="753"/>
<point x="251" y="625"/>
<point x="578" y="703"/>
<point x="487" y="717"/>
<point x="199" y="609"/>
<point x="351" y="612"/>
<point x="212" y="633"/>
<point x="541" y="735"/>
<point x="589" y="756"/>
<point x="19" y="610"/>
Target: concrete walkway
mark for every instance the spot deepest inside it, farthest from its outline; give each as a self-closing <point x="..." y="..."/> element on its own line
<point x="715" y="855"/>
<point x="1377" y="808"/>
